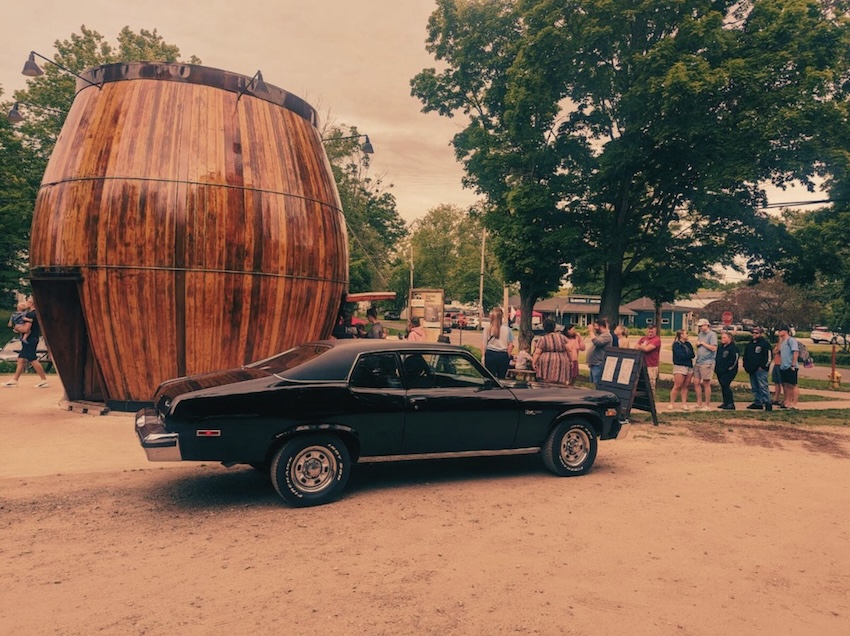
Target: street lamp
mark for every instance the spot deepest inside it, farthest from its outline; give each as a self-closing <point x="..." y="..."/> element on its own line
<point x="256" y="85"/>
<point x="366" y="147"/>
<point x="15" y="115"/>
<point x="32" y="69"/>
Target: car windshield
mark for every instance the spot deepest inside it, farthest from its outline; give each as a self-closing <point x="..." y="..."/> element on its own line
<point x="289" y="359"/>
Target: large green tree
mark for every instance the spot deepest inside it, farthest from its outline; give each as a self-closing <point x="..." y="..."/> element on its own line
<point x="655" y="123"/>
<point x="20" y="176"/>
<point x="821" y="263"/>
<point x="26" y="147"/>
<point x="510" y="147"/>
<point x="445" y="246"/>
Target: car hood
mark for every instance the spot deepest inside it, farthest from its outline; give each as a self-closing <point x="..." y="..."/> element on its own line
<point x="549" y="394"/>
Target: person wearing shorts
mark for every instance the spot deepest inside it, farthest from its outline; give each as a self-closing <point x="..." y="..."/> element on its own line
<point x="28" y="355"/>
<point x="704" y="367"/>
<point x="789" y="352"/>
<point x="776" y="377"/>
<point x="683" y="368"/>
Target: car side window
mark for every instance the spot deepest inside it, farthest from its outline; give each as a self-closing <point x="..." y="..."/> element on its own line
<point x="376" y="371"/>
<point x="417" y="372"/>
<point x="441" y="370"/>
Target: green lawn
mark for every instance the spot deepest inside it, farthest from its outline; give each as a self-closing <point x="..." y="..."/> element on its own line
<point x="803" y="383"/>
<point x="829" y="417"/>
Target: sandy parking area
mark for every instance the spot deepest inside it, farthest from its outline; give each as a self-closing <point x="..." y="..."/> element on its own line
<point x="682" y="529"/>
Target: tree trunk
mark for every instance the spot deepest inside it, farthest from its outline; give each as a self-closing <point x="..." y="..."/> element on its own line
<point x="612" y="294"/>
<point x="657" y="319"/>
<point x="527" y="299"/>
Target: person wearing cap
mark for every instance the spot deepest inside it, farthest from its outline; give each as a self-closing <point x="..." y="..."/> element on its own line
<point x="789" y="352"/>
<point x="756" y="364"/>
<point x="704" y="367"/>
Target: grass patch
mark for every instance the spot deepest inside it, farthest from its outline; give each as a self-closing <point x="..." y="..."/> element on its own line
<point x="829" y="417"/>
<point x="803" y="383"/>
<point x="742" y="395"/>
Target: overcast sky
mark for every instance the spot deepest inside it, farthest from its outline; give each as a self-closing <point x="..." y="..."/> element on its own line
<point x="352" y="60"/>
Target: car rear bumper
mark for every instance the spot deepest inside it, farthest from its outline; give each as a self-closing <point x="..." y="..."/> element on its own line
<point x="159" y="445"/>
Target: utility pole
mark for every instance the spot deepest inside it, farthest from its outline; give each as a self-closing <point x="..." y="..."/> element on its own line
<point x="481" y="278"/>
<point x="410" y="289"/>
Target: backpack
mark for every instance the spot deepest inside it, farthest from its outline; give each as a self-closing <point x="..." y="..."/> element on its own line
<point x="803" y="356"/>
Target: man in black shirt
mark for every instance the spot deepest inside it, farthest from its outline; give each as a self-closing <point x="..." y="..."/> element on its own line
<point x="756" y="363"/>
<point x="28" y="355"/>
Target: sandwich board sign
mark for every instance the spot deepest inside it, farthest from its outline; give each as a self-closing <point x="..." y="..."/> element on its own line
<point x="624" y="374"/>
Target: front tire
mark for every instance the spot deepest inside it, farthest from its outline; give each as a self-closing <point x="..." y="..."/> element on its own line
<point x="311" y="470"/>
<point x="570" y="448"/>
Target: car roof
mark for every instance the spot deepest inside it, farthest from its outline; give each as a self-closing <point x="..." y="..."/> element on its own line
<point x="339" y="357"/>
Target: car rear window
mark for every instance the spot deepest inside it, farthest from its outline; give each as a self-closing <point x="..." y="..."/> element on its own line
<point x="290" y="359"/>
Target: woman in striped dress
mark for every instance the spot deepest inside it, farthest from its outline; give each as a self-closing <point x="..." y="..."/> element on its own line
<point x="551" y="360"/>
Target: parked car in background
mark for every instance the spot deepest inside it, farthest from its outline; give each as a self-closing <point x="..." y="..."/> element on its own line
<point x="453" y="314"/>
<point x="447" y="322"/>
<point x="307" y="415"/>
<point x="823" y="334"/>
<point x="392" y="314"/>
<point x="473" y="322"/>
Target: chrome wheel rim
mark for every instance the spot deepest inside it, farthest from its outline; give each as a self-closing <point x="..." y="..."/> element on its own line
<point x="313" y="469"/>
<point x="575" y="447"/>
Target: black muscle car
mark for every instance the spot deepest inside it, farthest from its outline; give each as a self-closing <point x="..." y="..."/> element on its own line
<point x="306" y="415"/>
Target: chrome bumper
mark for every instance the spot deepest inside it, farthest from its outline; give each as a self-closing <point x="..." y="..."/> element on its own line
<point x="159" y="446"/>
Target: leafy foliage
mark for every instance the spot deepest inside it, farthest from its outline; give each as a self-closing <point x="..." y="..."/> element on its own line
<point x="374" y="225"/>
<point x="446" y="246"/>
<point x="821" y="263"/>
<point x="624" y="137"/>
<point x="20" y="176"/>
<point x="509" y="146"/>
<point x="769" y="303"/>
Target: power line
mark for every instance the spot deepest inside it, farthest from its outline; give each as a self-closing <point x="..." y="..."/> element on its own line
<point x="791" y="204"/>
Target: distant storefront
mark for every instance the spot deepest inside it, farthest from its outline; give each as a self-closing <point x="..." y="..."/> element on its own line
<point x="579" y="309"/>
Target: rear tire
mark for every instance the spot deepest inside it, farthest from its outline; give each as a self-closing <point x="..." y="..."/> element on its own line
<point x="311" y="470"/>
<point x="570" y="448"/>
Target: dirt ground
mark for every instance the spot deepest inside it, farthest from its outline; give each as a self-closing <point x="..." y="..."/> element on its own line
<point x="738" y="528"/>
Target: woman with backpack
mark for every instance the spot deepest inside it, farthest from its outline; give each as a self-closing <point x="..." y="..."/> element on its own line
<point x="727" y="369"/>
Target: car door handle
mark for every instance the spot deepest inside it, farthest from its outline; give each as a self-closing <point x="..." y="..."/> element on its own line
<point x="414" y="401"/>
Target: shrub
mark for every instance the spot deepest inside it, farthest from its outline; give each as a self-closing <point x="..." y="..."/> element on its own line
<point x="825" y="358"/>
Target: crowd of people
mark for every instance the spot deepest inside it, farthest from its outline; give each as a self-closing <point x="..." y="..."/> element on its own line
<point x="722" y="359"/>
<point x="554" y="359"/>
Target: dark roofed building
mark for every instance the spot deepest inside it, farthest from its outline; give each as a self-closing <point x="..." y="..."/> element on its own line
<point x="581" y="309"/>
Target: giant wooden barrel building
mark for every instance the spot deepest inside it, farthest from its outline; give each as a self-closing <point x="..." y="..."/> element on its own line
<point x="187" y="222"/>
